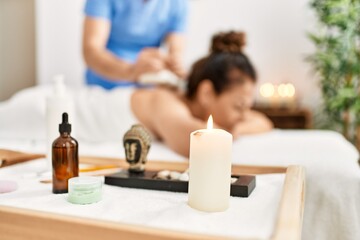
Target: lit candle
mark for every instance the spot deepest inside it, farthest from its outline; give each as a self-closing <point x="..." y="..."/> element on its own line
<point x="291" y="95"/>
<point x="287" y="95"/>
<point x="283" y="93"/>
<point x="210" y="169"/>
<point x="268" y="94"/>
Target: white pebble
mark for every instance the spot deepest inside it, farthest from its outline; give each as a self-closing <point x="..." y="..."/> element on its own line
<point x="174" y="175"/>
<point x="164" y="174"/>
<point x="184" y="177"/>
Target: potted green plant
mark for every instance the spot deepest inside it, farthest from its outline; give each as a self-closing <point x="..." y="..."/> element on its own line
<point x="337" y="62"/>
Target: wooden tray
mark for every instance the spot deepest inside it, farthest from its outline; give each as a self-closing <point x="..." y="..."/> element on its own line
<point x="19" y="224"/>
<point x="147" y="180"/>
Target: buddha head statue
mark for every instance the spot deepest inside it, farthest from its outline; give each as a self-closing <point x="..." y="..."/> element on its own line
<point x="137" y="142"/>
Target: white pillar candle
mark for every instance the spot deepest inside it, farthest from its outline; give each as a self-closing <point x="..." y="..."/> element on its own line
<point x="210" y="169"/>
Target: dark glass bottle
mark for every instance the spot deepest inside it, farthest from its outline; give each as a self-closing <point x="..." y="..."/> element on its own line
<point x="65" y="158"/>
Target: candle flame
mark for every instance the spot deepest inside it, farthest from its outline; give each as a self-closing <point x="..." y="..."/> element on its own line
<point x="210" y="122"/>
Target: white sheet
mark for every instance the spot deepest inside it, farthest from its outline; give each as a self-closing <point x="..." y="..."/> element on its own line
<point x="332" y="208"/>
<point x="100" y="114"/>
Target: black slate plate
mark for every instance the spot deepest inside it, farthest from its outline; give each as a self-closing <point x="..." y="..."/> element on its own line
<point x="241" y="188"/>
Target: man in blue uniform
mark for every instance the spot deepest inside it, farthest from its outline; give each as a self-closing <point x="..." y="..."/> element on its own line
<point x="122" y="39"/>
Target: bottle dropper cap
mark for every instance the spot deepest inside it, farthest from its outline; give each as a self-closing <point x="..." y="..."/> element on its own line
<point x="65" y="126"/>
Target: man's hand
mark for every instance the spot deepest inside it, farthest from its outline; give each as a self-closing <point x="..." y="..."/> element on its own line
<point x="174" y="64"/>
<point x="149" y="60"/>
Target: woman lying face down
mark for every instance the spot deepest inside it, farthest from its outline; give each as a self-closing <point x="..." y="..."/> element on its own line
<point x="221" y="84"/>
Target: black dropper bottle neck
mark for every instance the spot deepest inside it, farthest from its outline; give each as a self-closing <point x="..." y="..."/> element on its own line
<point x="65" y="126"/>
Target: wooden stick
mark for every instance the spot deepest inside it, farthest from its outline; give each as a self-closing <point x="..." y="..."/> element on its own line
<point x="97" y="168"/>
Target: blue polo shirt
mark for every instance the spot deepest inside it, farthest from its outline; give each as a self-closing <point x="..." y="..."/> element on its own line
<point x="135" y="24"/>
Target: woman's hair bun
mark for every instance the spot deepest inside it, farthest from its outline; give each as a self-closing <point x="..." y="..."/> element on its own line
<point x="229" y="42"/>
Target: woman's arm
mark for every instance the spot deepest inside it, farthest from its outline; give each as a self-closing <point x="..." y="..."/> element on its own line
<point x="102" y="61"/>
<point x="254" y="122"/>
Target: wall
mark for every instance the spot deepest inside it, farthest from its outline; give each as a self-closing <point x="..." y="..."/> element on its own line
<point x="276" y="30"/>
<point x="17" y="46"/>
<point x="59" y="33"/>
